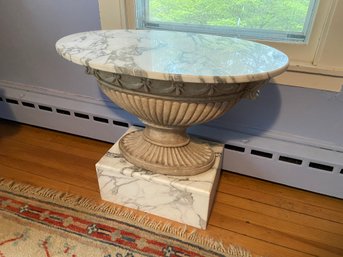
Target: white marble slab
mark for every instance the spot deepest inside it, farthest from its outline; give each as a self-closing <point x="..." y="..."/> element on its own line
<point x="185" y="199"/>
<point x="178" y="56"/>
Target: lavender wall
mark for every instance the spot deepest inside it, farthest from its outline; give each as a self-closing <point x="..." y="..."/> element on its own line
<point x="28" y="32"/>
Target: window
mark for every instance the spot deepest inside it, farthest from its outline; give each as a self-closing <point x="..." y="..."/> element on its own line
<point x="272" y="20"/>
<point x="315" y="62"/>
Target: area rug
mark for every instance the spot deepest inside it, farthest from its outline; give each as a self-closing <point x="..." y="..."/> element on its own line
<point x="40" y="222"/>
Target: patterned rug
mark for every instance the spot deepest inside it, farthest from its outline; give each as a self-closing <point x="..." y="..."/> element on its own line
<point x="39" y="222"/>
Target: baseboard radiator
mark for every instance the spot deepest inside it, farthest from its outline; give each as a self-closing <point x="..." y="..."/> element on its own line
<point x="297" y="165"/>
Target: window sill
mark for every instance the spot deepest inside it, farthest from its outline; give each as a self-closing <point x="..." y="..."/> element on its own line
<point x="310" y="76"/>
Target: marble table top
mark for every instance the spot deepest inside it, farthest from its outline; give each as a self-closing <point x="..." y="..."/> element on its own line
<point x="177" y="56"/>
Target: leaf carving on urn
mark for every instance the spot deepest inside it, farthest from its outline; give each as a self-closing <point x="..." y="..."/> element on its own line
<point x="254" y="91"/>
<point x="116" y="80"/>
<point x="146" y="85"/>
<point x="177" y="87"/>
<point x="89" y="70"/>
<point x="212" y="88"/>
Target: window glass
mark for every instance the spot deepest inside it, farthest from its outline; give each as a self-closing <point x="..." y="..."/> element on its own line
<point x="275" y="20"/>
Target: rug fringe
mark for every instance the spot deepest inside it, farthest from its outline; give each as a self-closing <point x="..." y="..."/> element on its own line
<point x="130" y="216"/>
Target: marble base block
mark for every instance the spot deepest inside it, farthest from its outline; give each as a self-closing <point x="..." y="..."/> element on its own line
<point x="185" y="199"/>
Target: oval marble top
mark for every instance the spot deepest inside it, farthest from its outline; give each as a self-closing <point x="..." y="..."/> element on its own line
<point x="179" y="56"/>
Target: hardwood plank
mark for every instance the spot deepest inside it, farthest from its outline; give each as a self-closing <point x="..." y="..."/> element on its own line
<point x="281" y="214"/>
<point x="330" y="209"/>
<point x="326" y="202"/>
<point x="38" y="136"/>
<point x="258" y="245"/>
<point x="46" y="182"/>
<point x="267" y="218"/>
<point x="57" y="149"/>
<point x="54" y="165"/>
<point x="238" y="221"/>
<point x="287" y="227"/>
<point x="51" y="157"/>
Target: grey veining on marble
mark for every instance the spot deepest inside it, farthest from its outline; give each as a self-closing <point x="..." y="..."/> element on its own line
<point x="176" y="56"/>
<point x="186" y="199"/>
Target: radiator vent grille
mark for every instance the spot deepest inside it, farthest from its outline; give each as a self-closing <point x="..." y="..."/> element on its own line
<point x="65" y="112"/>
<point x="120" y="123"/>
<point x="292" y="160"/>
<point x="235" y="148"/>
<point x="100" y="119"/>
<point x="81" y="115"/>
<point x="320" y="166"/>
<point x="11" y="101"/>
<point x="262" y="154"/>
<point x="246" y="158"/>
<point x="27" y="104"/>
<point x="45" y="108"/>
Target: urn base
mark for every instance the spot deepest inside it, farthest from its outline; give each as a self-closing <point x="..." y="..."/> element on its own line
<point x="185" y="199"/>
<point x="184" y="157"/>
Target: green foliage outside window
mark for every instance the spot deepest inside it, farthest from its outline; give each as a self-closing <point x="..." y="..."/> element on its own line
<point x="280" y="15"/>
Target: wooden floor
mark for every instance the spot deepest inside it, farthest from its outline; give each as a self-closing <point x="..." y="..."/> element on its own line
<point x="266" y="218"/>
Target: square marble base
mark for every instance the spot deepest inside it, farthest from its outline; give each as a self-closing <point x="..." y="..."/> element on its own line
<point x="185" y="199"/>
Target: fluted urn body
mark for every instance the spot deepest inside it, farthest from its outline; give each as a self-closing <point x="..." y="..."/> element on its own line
<point x="172" y="81"/>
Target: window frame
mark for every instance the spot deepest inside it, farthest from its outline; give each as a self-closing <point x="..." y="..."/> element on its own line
<point x="142" y="22"/>
<point x="312" y="65"/>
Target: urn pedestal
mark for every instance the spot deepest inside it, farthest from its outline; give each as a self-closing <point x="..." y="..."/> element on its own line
<point x="185" y="199"/>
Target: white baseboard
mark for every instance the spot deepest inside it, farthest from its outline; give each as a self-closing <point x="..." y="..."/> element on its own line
<point x="296" y="164"/>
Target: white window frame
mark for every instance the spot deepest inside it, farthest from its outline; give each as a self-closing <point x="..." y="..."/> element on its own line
<point x="142" y="11"/>
<point x="313" y="65"/>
